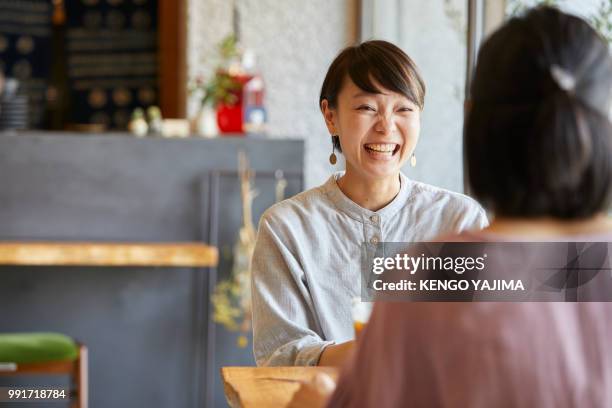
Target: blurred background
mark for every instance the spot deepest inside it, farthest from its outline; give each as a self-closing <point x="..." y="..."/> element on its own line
<point x="182" y="121"/>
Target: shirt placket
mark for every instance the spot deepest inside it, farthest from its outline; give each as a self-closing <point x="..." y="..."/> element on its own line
<point x="374" y="230"/>
<point x="373" y="237"/>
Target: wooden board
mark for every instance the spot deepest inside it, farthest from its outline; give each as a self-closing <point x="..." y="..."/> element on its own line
<point x="187" y="254"/>
<point x="266" y="387"/>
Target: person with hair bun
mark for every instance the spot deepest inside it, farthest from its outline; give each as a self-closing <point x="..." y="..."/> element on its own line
<point x="538" y="132"/>
<point x="307" y="261"/>
<point x="539" y="153"/>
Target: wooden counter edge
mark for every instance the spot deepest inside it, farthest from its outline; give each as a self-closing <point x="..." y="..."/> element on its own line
<point x="173" y="254"/>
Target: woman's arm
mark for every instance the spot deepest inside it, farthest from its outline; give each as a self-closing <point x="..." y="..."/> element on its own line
<point x="285" y="326"/>
<point x="336" y="354"/>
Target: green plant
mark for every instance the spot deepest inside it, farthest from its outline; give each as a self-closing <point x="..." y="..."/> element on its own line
<point x="220" y="89"/>
<point x="601" y="20"/>
<point x="516" y="7"/>
<point x="232" y="296"/>
<point x="222" y="86"/>
<point x="228" y="47"/>
<point x="456" y="17"/>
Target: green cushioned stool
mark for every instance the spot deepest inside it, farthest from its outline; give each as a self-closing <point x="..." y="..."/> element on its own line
<point x="46" y="353"/>
<point x="25" y="348"/>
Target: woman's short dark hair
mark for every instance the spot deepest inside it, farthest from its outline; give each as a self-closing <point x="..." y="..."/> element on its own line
<point x="369" y="65"/>
<point x="538" y="137"/>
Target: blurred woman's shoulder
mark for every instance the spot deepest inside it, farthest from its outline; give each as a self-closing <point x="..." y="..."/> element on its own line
<point x="445" y="205"/>
<point x="433" y="194"/>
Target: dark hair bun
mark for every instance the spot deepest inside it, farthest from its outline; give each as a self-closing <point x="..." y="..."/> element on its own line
<point x="539" y="121"/>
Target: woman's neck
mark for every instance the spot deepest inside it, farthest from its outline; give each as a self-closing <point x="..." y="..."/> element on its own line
<point x="370" y="194"/>
<point x="547" y="227"/>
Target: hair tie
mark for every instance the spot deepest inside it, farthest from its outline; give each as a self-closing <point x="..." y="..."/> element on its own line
<point x="564" y="79"/>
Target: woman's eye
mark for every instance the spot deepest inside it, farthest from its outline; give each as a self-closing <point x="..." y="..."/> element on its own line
<point x="405" y="109"/>
<point x="366" y="108"/>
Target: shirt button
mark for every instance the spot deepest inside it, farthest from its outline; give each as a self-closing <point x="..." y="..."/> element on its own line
<point x="374" y="240"/>
<point x="375" y="218"/>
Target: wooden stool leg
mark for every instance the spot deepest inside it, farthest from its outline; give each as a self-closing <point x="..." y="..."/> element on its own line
<point x="81" y="379"/>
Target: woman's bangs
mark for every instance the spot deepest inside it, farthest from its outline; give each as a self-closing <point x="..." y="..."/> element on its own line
<point x="377" y="80"/>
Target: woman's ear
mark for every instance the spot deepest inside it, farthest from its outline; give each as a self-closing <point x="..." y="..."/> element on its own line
<point x="330" y="116"/>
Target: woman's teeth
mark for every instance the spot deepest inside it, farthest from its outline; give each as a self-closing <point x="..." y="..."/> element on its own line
<point x="381" y="148"/>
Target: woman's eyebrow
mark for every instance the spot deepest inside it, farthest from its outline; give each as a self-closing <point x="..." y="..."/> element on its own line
<point x="365" y="93"/>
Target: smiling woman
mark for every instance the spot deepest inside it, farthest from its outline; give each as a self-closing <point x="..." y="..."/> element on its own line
<point x="381" y="99"/>
<point x="306" y="264"/>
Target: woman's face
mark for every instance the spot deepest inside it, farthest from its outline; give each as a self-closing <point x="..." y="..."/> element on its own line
<point x="378" y="132"/>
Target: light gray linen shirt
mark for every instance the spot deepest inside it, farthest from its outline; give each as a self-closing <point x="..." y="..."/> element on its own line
<point x="306" y="264"/>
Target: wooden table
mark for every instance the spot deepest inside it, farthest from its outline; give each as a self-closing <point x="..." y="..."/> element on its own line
<point x="172" y="254"/>
<point x="266" y="387"/>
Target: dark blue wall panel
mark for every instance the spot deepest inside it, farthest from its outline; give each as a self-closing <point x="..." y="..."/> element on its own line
<point x="146" y="328"/>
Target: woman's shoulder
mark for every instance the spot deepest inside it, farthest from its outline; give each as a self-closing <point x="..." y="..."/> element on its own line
<point x="299" y="207"/>
<point x="428" y="195"/>
<point x="456" y="211"/>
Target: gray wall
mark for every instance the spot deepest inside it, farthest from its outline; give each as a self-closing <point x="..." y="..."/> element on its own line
<point x="295" y="41"/>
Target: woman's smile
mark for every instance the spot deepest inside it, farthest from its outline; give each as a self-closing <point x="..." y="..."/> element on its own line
<point x="382" y="151"/>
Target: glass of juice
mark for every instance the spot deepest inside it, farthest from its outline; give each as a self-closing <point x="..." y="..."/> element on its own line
<point x="361" y="314"/>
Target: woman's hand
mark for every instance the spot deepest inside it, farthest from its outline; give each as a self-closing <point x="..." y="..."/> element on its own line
<point x="313" y="394"/>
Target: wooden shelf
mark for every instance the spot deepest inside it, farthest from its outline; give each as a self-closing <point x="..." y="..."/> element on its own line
<point x="172" y="254"/>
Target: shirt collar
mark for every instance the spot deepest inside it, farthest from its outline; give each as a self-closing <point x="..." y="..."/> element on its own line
<point x="354" y="210"/>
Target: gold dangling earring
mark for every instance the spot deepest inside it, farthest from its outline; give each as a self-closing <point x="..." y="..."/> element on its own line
<point x="413" y="160"/>
<point x="332" y="157"/>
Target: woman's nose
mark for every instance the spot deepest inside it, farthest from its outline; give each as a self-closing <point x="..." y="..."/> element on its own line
<point x="385" y="124"/>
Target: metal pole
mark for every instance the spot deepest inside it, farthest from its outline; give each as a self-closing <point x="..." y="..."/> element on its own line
<point x="474" y="37"/>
